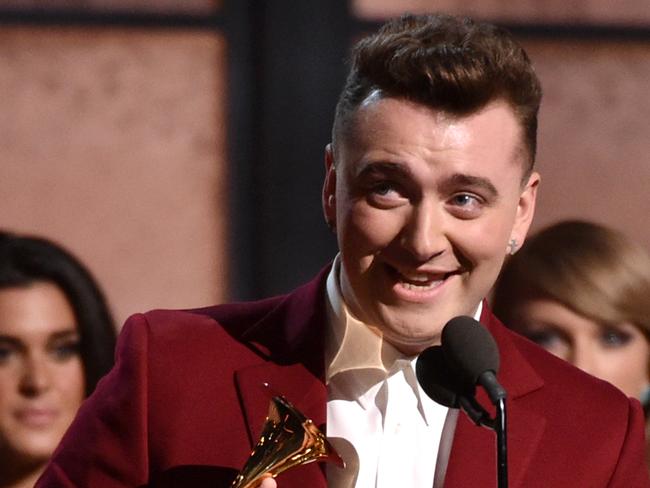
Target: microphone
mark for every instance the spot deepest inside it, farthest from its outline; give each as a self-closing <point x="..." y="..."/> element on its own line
<point x="470" y="351"/>
<point x="436" y="378"/>
<point x="467" y="356"/>
<point x="448" y="374"/>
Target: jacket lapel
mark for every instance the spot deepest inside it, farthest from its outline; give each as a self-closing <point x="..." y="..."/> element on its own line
<point x="290" y="337"/>
<point x="473" y="456"/>
<point x="306" y="392"/>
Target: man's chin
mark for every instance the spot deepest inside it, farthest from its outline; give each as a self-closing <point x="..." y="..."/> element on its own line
<point x="411" y="341"/>
<point x="412" y="346"/>
<point x="414" y="330"/>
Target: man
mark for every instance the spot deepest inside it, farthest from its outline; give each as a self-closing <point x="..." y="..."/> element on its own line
<point x="429" y="184"/>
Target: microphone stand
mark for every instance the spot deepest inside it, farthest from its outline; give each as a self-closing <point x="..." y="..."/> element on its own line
<point x="479" y="416"/>
<point x="450" y="380"/>
<point x="502" y="444"/>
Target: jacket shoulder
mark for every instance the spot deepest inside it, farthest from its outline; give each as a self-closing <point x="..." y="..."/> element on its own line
<point x="235" y="318"/>
<point x="576" y="415"/>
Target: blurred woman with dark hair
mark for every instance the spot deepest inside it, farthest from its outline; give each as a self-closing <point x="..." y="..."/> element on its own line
<point x="56" y="341"/>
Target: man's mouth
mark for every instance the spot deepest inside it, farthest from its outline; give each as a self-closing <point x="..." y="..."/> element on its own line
<point x="419" y="280"/>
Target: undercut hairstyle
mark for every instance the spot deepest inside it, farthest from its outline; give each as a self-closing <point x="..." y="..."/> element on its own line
<point x="595" y="271"/>
<point x="25" y="260"/>
<point x="447" y="63"/>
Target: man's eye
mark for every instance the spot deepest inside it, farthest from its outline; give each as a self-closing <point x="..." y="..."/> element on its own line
<point x="383" y="188"/>
<point x="611" y="337"/>
<point x="465" y="206"/>
<point x="465" y="199"/>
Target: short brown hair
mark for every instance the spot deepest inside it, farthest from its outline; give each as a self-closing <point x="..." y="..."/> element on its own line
<point x="593" y="270"/>
<point x="445" y="62"/>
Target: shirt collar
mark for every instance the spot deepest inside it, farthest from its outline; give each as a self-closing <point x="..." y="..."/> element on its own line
<point x="351" y="344"/>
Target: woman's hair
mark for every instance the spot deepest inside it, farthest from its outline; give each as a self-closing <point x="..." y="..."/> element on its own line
<point x="25" y="260"/>
<point x="595" y="271"/>
<point x="448" y="63"/>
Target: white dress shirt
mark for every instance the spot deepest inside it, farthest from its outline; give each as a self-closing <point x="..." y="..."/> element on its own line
<point x="386" y="429"/>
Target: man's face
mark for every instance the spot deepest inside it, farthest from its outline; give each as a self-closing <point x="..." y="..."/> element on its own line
<point x="424" y="206"/>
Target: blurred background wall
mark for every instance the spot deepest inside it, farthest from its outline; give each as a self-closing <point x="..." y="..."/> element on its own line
<point x="176" y="146"/>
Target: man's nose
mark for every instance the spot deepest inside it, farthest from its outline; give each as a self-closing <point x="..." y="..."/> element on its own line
<point x="35" y="377"/>
<point x="423" y="235"/>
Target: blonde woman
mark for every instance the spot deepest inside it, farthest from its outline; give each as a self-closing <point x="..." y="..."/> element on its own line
<point x="582" y="291"/>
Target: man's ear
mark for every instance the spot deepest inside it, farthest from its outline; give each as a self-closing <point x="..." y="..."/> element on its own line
<point x="329" y="188"/>
<point x="525" y="212"/>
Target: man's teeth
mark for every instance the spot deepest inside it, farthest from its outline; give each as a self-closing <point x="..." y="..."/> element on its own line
<point x="419" y="282"/>
<point x="426" y="286"/>
<point x="417" y="278"/>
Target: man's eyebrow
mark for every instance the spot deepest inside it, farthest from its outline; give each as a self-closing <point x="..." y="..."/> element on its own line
<point x="382" y="167"/>
<point x="460" y="179"/>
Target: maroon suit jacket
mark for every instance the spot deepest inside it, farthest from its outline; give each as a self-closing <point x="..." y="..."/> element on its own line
<point x="184" y="406"/>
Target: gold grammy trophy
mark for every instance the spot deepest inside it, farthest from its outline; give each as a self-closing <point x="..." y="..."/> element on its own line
<point x="288" y="439"/>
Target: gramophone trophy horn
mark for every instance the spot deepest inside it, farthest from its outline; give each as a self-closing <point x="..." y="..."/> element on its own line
<point x="288" y="439"/>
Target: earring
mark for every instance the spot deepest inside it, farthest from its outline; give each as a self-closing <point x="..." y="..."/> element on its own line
<point x="330" y="200"/>
<point x="512" y="246"/>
